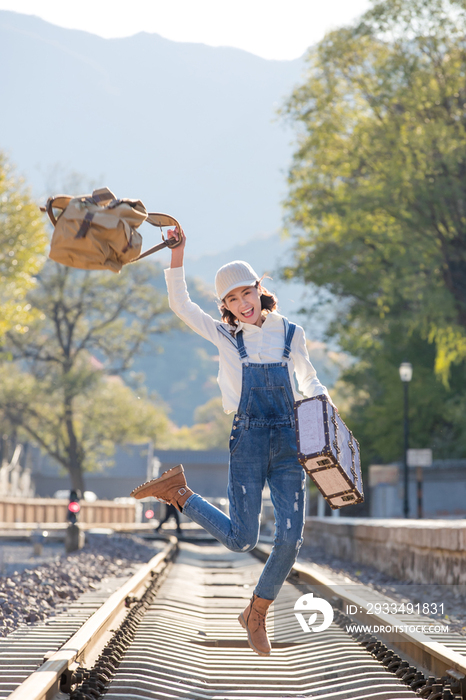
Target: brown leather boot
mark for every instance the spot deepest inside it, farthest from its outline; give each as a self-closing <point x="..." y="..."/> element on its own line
<point x="253" y="621"/>
<point x="170" y="487"/>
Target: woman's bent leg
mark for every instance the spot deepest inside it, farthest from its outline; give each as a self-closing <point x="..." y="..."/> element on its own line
<point x="240" y="531"/>
<point x="218" y="524"/>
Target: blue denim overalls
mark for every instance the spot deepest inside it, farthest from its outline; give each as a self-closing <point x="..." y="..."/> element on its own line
<point x="262" y="448"/>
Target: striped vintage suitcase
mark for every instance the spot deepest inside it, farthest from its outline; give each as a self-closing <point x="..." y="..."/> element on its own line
<point x="328" y="452"/>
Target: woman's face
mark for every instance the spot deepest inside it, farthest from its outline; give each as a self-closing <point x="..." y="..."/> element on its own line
<point x="245" y="304"/>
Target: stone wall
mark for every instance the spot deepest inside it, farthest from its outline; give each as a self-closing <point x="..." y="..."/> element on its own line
<point x="420" y="551"/>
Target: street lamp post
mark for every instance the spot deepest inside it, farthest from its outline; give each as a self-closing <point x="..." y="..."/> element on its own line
<point x="406" y="374"/>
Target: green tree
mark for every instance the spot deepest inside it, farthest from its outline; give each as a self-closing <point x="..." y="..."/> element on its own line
<point x="369" y="395"/>
<point x="106" y="412"/>
<point x="23" y="240"/>
<point x="91" y="326"/>
<point x="378" y="184"/>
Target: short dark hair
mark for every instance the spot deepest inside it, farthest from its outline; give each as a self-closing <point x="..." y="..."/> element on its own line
<point x="269" y="303"/>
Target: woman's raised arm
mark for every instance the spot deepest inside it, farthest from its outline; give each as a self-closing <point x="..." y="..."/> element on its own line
<point x="178" y="252"/>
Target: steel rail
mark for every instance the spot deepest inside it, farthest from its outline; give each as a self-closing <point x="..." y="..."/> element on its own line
<point x="84" y="645"/>
<point x="189" y="644"/>
<point x="431" y="655"/>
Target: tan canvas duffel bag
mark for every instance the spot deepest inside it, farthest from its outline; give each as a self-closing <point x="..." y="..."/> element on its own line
<point x="99" y="231"/>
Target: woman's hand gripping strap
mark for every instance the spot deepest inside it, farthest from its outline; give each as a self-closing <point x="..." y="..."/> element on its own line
<point x="162" y="220"/>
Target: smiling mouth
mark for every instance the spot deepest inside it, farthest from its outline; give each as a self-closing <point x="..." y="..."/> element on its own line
<point x="249" y="313"/>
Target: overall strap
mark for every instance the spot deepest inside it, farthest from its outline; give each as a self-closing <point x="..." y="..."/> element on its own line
<point x="289" y="333"/>
<point x="237" y="341"/>
<point x="241" y="349"/>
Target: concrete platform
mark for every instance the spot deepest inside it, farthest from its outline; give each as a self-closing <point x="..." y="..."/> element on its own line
<point x="422" y="551"/>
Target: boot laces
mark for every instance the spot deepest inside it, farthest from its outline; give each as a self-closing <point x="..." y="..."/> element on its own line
<point x="260" y="618"/>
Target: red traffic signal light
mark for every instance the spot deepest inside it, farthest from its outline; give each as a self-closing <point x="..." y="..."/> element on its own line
<point x="74" y="507"/>
<point x="149" y="514"/>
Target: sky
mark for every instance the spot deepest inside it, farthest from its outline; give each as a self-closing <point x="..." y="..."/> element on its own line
<point x="272" y="29"/>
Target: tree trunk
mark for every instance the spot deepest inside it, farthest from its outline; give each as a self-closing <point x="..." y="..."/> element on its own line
<point x="455" y="281"/>
<point x="74" y="451"/>
<point x="77" y="481"/>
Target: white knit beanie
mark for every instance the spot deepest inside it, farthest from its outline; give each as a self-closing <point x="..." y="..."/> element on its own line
<point x="235" y="274"/>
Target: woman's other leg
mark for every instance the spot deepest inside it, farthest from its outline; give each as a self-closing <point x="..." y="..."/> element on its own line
<point x="286" y="479"/>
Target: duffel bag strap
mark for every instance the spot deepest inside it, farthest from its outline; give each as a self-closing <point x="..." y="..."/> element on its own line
<point x="161" y="220"/>
<point x="60" y="201"/>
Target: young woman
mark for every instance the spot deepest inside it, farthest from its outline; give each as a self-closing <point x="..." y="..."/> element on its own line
<point x="259" y="352"/>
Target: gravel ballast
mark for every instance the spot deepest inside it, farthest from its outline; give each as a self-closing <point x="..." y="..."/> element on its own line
<point x="38" y="592"/>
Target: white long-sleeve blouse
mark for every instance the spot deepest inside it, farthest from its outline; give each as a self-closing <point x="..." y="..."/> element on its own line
<point x="264" y="344"/>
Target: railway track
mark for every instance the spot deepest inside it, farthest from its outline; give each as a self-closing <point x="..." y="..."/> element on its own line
<point x="171" y="631"/>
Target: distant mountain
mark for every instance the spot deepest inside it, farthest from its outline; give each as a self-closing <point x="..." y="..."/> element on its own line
<point x="190" y="129"/>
